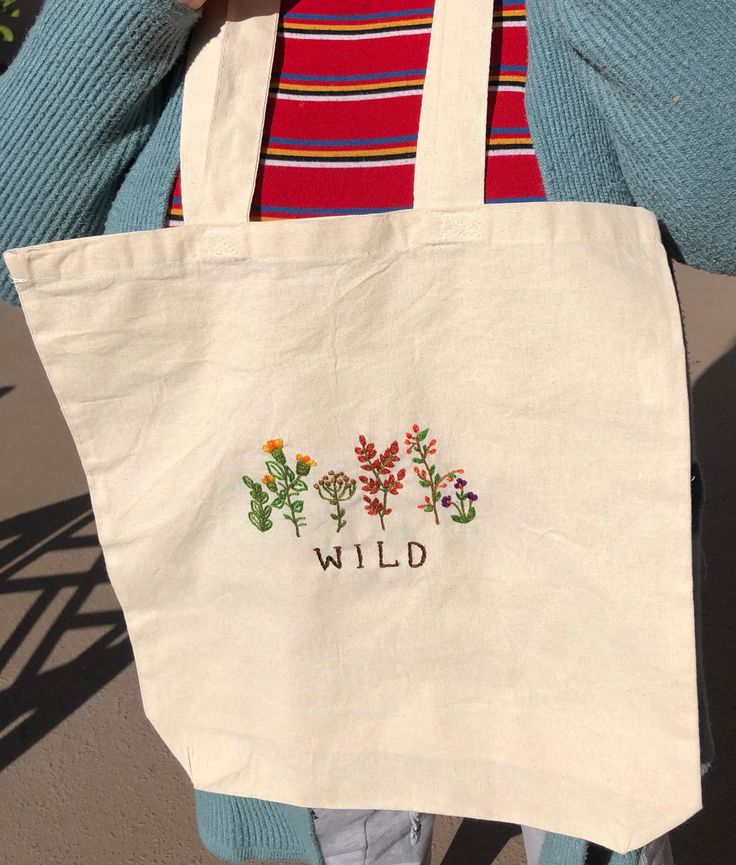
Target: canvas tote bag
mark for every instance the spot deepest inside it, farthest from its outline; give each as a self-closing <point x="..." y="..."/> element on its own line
<point x="396" y="505"/>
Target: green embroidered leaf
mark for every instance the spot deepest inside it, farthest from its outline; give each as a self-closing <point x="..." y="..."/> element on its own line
<point x="298" y="506"/>
<point x="428" y="508"/>
<point x="422" y="435"/>
<point x="259" y="494"/>
<point x="431" y="469"/>
<point x="289" y="473"/>
<point x="416" y="460"/>
<point x="266" y="512"/>
<point x="334" y="516"/>
<point x="424" y="483"/>
<point x="437" y="495"/>
<point x="437" y="478"/>
<point x="299" y="486"/>
<point x="471" y="513"/>
<point x="276" y="469"/>
<point x="458" y="518"/>
<point x="248" y="481"/>
<point x="263" y="525"/>
<point x="278" y="502"/>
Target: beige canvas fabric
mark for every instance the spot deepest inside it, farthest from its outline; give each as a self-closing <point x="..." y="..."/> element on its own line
<point x="237" y="391"/>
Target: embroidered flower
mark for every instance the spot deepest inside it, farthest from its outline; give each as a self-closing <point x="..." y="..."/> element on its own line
<point x="307" y="460"/>
<point x="472" y="497"/>
<point x="267" y="479"/>
<point x="428" y="475"/>
<point x="446" y="501"/>
<point x="272" y="445"/>
<point x="460" y="483"/>
<point x="336" y="488"/>
<point x="381" y="478"/>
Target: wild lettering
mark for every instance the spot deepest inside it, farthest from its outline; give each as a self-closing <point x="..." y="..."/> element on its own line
<point x="356" y="557"/>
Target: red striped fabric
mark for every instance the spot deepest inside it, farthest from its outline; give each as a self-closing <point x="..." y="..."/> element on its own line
<point x="343" y="114"/>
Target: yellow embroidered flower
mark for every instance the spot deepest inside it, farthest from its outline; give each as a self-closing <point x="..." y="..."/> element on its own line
<point x="307" y="460"/>
<point x="272" y="445"/>
<point x="267" y="479"/>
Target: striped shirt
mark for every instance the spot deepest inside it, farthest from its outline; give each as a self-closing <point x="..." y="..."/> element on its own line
<point x="341" y="125"/>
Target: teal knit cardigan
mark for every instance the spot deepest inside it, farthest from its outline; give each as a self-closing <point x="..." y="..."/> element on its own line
<point x="627" y="103"/>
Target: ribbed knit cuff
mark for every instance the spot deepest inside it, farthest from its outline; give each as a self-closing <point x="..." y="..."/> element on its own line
<point x="565" y="850"/>
<point x="237" y="828"/>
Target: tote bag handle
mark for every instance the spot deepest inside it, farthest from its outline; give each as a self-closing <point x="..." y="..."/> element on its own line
<point x="226" y="91"/>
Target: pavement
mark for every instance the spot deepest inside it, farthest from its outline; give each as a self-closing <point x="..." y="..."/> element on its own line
<point x="84" y="777"/>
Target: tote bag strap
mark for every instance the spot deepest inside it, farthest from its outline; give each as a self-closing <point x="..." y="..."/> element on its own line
<point x="226" y="90"/>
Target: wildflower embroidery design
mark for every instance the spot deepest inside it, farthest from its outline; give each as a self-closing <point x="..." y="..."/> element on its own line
<point x="382" y="479"/>
<point x="426" y="472"/>
<point x="464" y="514"/>
<point x="284" y="482"/>
<point x="335" y="488"/>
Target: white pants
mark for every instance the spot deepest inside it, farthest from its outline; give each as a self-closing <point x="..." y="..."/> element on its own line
<point x="357" y="837"/>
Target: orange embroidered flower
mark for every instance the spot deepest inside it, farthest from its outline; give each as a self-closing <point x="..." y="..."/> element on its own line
<point x="307" y="460"/>
<point x="272" y="445"/>
<point x="268" y="479"/>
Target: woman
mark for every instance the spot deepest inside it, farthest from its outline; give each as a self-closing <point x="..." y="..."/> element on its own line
<point x="102" y="152"/>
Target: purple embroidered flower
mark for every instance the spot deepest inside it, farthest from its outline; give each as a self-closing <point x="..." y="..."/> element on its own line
<point x="446" y="501"/>
<point x="472" y="497"/>
<point x="460" y="483"/>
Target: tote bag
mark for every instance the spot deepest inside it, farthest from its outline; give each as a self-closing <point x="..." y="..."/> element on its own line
<point x="396" y="505"/>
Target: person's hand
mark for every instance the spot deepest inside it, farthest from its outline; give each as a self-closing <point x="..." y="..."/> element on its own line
<point x="192" y="4"/>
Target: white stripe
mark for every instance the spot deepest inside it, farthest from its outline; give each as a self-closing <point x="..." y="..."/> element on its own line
<point x="367" y="35"/>
<point x="296" y="163"/>
<point x="504" y="88"/>
<point x="353" y="97"/>
<point x="512" y="151"/>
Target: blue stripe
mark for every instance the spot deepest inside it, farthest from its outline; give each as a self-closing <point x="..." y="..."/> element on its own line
<point x="399" y="13"/>
<point x="511" y="200"/>
<point x="340" y="211"/>
<point x="367" y="76"/>
<point x="319" y="142"/>
<point x="327" y="211"/>
<point x="506" y="129"/>
<point x="508" y="66"/>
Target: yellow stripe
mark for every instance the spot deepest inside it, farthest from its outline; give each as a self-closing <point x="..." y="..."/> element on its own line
<point x="508" y="77"/>
<point x="323" y="88"/>
<point x="381" y="25"/>
<point x="387" y="151"/>
<point x="511" y="13"/>
<point x="503" y="140"/>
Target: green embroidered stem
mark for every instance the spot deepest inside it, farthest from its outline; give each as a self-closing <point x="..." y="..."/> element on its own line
<point x="293" y="509"/>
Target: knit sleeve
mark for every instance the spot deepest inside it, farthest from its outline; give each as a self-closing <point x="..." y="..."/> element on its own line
<point x="576" y="155"/>
<point x="79" y="101"/>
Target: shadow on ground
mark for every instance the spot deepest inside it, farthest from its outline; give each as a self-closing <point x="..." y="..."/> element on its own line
<point x="37" y="701"/>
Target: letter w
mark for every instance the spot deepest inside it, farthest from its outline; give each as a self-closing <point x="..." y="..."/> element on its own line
<point x="328" y="560"/>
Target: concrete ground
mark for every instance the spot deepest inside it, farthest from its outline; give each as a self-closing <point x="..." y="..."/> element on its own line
<point x="84" y="777"/>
